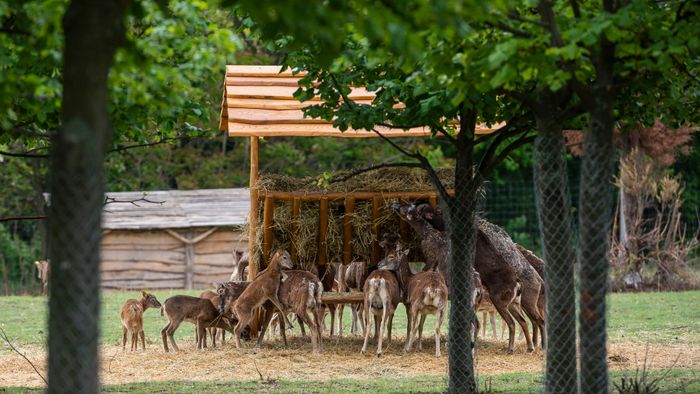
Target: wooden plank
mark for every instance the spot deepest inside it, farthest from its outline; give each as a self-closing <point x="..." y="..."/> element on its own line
<point x="272" y="104"/>
<point x="268" y="214"/>
<point x="433" y="201"/>
<point x="138" y="255"/>
<point x="130" y="237"/>
<point x="141" y="284"/>
<point x="292" y="81"/>
<point x="284" y="93"/>
<point x="219" y="259"/>
<point x="296" y="210"/>
<point x="335" y="297"/>
<point x="259" y="71"/>
<point x="376" y="209"/>
<point x="131" y="247"/>
<point x="347" y="229"/>
<point x="142" y="275"/>
<point x="147" y="266"/>
<point x="322" y="231"/>
<point x="253" y="259"/>
<point x="189" y="262"/>
<point x="271" y="117"/>
<point x="238" y="129"/>
<point x="206" y="248"/>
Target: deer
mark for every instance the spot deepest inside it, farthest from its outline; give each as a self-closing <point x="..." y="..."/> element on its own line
<point x="199" y="311"/>
<point x="382" y="294"/>
<point x="326" y="274"/>
<point x="42" y="273"/>
<point x="264" y="287"/>
<point x="424" y="293"/>
<point x="240" y="266"/>
<point x="354" y="279"/>
<point x="300" y="294"/>
<point x="131" y="317"/>
<point x="497" y="274"/>
<point x="213" y="331"/>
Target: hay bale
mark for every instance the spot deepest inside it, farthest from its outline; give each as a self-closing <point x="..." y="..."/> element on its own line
<point x="306" y="239"/>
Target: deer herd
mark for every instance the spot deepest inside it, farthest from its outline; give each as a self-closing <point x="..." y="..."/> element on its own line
<point x="508" y="280"/>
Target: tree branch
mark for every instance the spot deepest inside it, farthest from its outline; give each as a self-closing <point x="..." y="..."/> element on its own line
<point x="504" y="133"/>
<point x="6" y="339"/>
<point x="516" y="17"/>
<point x="523" y="140"/>
<point x="447" y="135"/>
<point x="575" y="8"/>
<point x="516" y="32"/>
<point x="24" y="154"/>
<point x="127" y="147"/>
<point x="12" y="218"/>
<point x="371" y="168"/>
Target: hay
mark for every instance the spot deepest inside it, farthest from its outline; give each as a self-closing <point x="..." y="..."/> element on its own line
<point x="341" y="359"/>
<point x="306" y="239"/>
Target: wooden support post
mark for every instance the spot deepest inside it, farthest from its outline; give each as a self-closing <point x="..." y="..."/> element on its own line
<point x="189" y="262"/>
<point x="322" y="231"/>
<point x="376" y="206"/>
<point x="433" y="201"/>
<point x="268" y="214"/>
<point x="347" y="229"/>
<point x="296" y="210"/>
<point x="254" y="261"/>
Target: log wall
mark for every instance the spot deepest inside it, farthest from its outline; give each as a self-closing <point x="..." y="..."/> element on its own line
<point x="137" y="259"/>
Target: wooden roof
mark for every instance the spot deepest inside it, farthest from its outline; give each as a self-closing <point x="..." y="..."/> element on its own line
<point x="179" y="209"/>
<point x="259" y="101"/>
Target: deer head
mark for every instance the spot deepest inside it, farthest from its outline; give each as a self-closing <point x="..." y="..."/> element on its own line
<point x="149" y="300"/>
<point x="284" y="259"/>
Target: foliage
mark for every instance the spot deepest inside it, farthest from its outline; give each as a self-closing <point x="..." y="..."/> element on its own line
<point x="17" y="263"/>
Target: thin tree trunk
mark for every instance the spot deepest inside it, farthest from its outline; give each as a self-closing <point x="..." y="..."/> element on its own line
<point x="554" y="211"/>
<point x="595" y="217"/>
<point x="93" y="31"/>
<point x="462" y="238"/>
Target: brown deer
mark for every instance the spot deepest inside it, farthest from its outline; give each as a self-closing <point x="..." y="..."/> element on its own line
<point x="382" y="294"/>
<point x="326" y="274"/>
<point x="213" y="331"/>
<point x="498" y="276"/>
<point x="42" y="272"/>
<point x="263" y="288"/>
<point x="131" y="316"/>
<point x="300" y="294"/>
<point x="199" y="311"/>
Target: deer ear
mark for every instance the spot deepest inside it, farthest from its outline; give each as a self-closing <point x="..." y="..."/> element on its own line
<point x="428" y="215"/>
<point x="382" y="244"/>
<point x="143" y="293"/>
<point x="284" y="276"/>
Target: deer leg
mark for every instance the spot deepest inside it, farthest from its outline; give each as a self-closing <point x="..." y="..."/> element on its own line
<point x="483" y="328"/>
<point x="163" y="334"/>
<point x="438" y="323"/>
<point x="537" y="323"/>
<point x="223" y="337"/>
<point x="143" y="340"/>
<point x="366" y="328"/>
<point x="332" y="308"/>
<point x="414" y="328"/>
<point x="420" y="330"/>
<point x="124" y="330"/>
<point x="408" y="320"/>
<point x="313" y="329"/>
<point x="508" y="319"/>
<point x="301" y="325"/>
<point x="492" y="317"/>
<point x="317" y="317"/>
<point x="476" y="327"/>
<point x="267" y="316"/>
<point x="243" y="320"/>
<point x="279" y="307"/>
<point x="134" y="339"/>
<point x="341" y="310"/>
<point x="388" y="328"/>
<point x="283" y="329"/>
<point x="513" y="309"/>
<point x="382" y="326"/>
<point x="503" y="327"/>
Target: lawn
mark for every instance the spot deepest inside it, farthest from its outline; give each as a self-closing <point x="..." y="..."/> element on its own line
<point x="655" y="318"/>
<point x="668" y="322"/>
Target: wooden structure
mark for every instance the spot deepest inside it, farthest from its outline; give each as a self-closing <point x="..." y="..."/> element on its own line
<point x="258" y="103"/>
<point x="176" y="239"/>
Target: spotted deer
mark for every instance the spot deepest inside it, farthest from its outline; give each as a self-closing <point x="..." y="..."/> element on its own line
<point x="131" y="317"/>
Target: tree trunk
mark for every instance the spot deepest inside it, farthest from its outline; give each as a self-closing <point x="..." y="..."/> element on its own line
<point x="556" y="231"/>
<point x="595" y="217"/>
<point x="461" y="209"/>
<point x="93" y="31"/>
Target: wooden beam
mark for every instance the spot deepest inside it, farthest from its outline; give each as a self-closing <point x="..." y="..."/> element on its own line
<point x="376" y="208"/>
<point x="189" y="262"/>
<point x="296" y="210"/>
<point x="347" y="229"/>
<point x="322" y="231"/>
<point x="254" y="260"/>
<point x="433" y="201"/>
<point x="268" y="214"/>
<point x="335" y="297"/>
<point x="334" y="196"/>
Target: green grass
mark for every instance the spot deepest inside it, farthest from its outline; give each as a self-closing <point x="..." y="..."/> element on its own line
<point x="633" y="317"/>
<point x="674" y="380"/>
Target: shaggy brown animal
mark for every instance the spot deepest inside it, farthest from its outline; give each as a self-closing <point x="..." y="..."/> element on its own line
<point x="131" y="316"/>
<point x="263" y="288"/>
<point x="213" y="331"/>
<point x="300" y="294"/>
<point x="198" y="311"/>
<point x="326" y="274"/>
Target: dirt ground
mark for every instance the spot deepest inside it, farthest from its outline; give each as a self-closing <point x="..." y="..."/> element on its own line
<point x="340" y="359"/>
